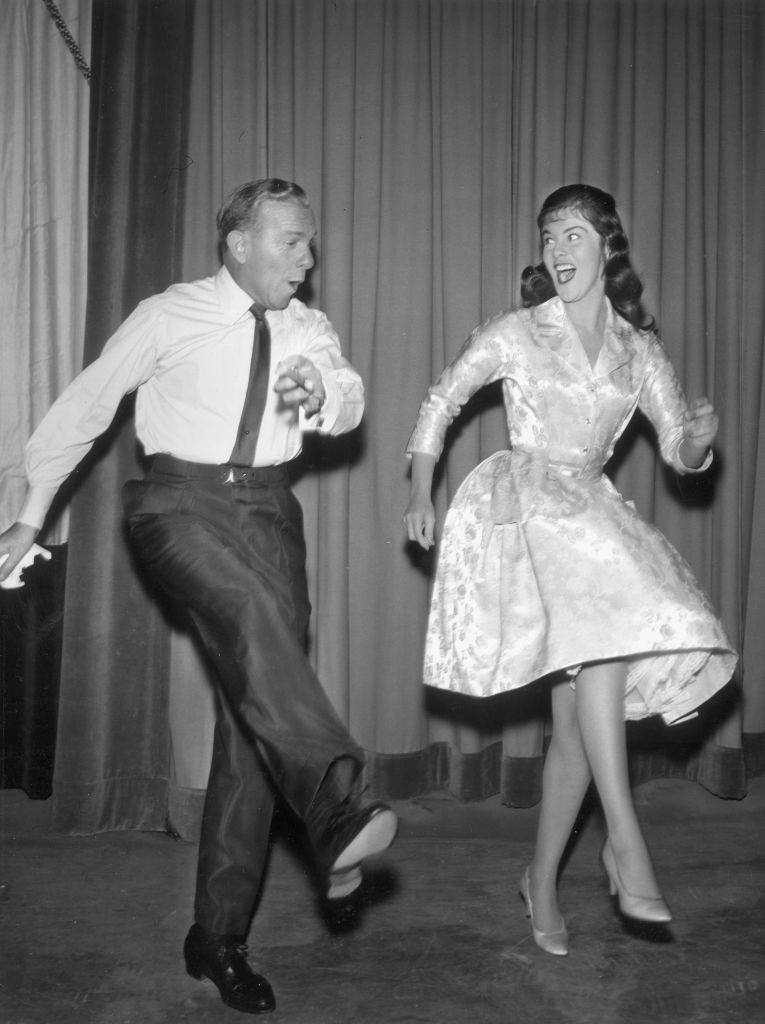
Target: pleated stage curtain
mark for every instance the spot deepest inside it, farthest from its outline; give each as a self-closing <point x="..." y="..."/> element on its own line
<point x="113" y="744"/>
<point x="43" y="257"/>
<point x="426" y="134"/>
<point x="43" y="272"/>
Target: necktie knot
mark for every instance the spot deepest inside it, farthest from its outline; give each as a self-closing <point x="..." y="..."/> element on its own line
<point x="258" y="313"/>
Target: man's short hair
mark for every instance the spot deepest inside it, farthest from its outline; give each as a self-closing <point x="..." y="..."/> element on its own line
<point x="240" y="210"/>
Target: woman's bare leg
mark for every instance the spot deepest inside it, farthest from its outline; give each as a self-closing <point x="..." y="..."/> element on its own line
<point x="565" y="779"/>
<point x="600" y="713"/>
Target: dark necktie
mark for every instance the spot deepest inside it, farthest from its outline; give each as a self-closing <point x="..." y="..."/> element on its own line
<point x="257" y="392"/>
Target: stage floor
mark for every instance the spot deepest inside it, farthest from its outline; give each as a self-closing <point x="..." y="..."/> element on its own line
<point x="92" y="927"/>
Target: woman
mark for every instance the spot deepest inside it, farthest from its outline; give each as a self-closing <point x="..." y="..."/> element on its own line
<point x="544" y="571"/>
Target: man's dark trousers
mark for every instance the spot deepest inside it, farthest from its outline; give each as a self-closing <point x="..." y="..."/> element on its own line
<point x="231" y="552"/>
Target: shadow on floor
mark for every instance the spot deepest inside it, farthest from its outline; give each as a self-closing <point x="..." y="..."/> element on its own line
<point x="91" y="928"/>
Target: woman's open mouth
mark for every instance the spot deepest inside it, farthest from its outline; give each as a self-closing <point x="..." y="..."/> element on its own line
<point x="564" y="272"/>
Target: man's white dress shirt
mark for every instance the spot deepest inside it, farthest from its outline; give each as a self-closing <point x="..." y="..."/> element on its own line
<point x="186" y="352"/>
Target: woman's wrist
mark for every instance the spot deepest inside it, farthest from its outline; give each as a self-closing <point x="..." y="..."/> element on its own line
<point x="691" y="454"/>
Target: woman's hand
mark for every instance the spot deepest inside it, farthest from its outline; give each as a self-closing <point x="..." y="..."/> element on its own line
<point x="420" y="521"/>
<point x="420" y="516"/>
<point x="700" y="425"/>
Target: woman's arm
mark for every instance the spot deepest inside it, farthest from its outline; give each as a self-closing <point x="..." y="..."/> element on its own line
<point x="685" y="431"/>
<point x="480" y="361"/>
<point x="700" y="424"/>
<point x="420" y="516"/>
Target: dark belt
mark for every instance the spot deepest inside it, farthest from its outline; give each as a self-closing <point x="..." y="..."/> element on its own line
<point x="224" y="474"/>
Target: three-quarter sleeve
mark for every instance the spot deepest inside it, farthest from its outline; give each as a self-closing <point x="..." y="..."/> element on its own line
<point x="663" y="401"/>
<point x="480" y="361"/>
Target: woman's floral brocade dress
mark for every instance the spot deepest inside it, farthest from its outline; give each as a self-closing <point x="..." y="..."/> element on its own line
<point x="542" y="565"/>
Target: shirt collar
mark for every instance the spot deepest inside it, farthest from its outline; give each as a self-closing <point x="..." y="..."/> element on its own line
<point x="235" y="302"/>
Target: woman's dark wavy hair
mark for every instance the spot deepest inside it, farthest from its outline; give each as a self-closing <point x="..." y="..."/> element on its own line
<point x="623" y="287"/>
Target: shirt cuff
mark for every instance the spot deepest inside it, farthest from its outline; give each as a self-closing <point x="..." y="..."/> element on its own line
<point x="36" y="505"/>
<point x="696" y="469"/>
<point x="327" y="416"/>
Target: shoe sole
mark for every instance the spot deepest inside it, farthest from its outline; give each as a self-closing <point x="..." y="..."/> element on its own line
<point x="376" y="836"/>
<point x="343" y="883"/>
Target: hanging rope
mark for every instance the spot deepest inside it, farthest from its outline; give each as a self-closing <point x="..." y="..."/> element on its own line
<point x="68" y="38"/>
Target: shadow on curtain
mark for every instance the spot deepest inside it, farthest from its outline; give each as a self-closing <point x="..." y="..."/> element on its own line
<point x="426" y="134"/>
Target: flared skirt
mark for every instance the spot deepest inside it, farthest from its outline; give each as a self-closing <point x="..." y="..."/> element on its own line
<point x="514" y="602"/>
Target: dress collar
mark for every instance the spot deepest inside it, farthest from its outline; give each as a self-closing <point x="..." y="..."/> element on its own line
<point x="556" y="332"/>
<point x="618" y="345"/>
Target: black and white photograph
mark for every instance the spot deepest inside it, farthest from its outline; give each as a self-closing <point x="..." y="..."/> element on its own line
<point x="382" y="511"/>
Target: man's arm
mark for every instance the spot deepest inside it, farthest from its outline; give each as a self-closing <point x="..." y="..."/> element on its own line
<point x="70" y="427"/>
<point x="320" y="381"/>
<point x="14" y="544"/>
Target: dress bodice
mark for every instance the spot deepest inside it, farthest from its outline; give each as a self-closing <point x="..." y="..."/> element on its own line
<point x="564" y="416"/>
<point x="558" y="407"/>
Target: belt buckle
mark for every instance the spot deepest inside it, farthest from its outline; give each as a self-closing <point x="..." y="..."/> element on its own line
<point x="237" y="474"/>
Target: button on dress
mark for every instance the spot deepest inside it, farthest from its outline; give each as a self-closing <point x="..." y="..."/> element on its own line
<point x="542" y="565"/>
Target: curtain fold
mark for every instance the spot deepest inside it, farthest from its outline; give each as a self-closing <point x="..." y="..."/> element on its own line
<point x="43" y="261"/>
<point x="112" y="753"/>
<point x="426" y="134"/>
<point x="750" y="410"/>
<point x="43" y="257"/>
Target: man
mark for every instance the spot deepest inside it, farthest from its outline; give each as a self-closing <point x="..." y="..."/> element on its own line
<point x="229" y="372"/>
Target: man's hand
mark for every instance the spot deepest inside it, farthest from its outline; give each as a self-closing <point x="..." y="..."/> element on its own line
<point x="699" y="431"/>
<point x="14" y="544"/>
<point x="299" y="383"/>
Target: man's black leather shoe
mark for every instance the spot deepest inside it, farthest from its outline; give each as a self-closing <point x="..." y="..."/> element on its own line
<point x="223" y="959"/>
<point x="345" y="836"/>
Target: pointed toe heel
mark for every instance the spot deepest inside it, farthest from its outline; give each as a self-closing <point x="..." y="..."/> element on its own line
<point x="651" y="909"/>
<point x="555" y="943"/>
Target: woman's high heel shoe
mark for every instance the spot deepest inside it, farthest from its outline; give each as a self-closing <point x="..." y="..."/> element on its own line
<point x="551" y="942"/>
<point x="642" y="908"/>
